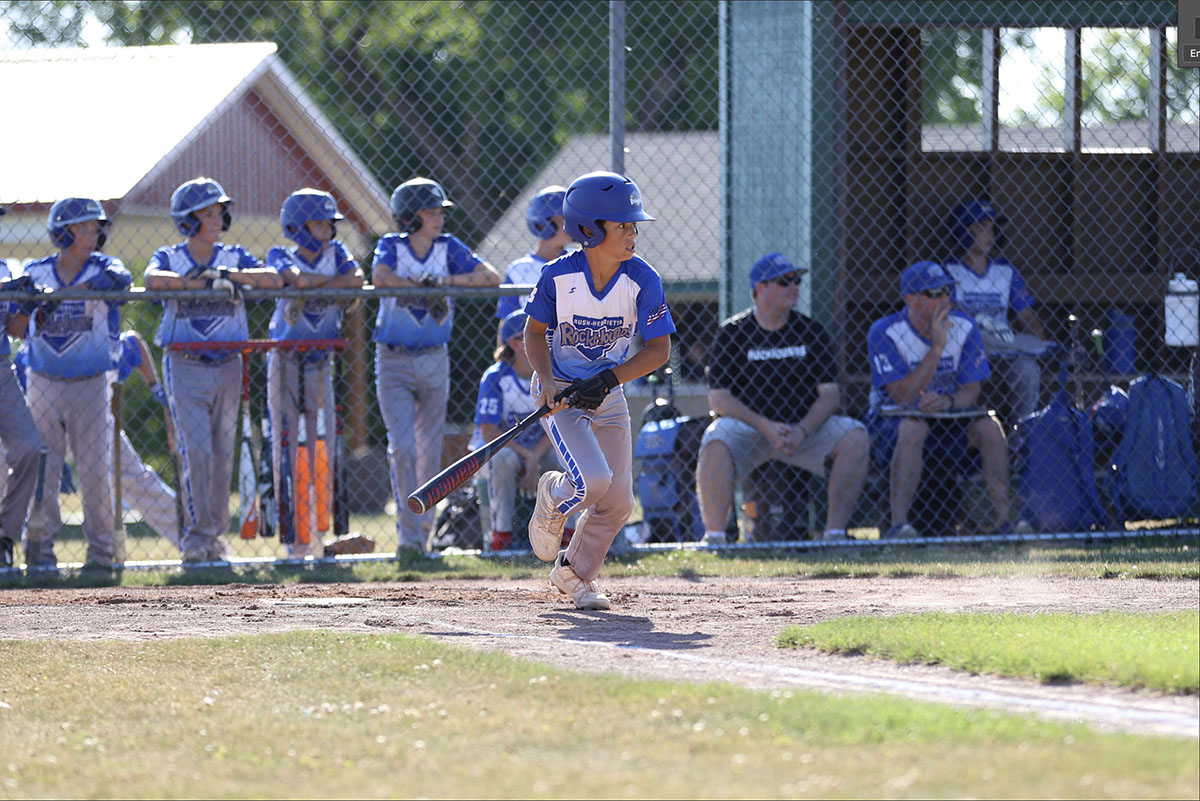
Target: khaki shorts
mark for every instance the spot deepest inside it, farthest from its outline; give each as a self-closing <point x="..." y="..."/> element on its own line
<point x="750" y="448"/>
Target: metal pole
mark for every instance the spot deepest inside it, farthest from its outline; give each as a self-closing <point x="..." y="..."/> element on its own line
<point x="616" y="84"/>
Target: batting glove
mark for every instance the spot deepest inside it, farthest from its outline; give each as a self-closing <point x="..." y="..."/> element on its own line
<point x="589" y="393"/>
<point x="159" y="394"/>
<point x="110" y="280"/>
<point x="22" y="283"/>
<point x="223" y="282"/>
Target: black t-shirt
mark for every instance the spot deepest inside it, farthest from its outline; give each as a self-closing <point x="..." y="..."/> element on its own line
<point x="775" y="373"/>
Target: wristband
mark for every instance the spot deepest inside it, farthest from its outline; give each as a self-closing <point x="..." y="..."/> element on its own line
<point x="802" y="427"/>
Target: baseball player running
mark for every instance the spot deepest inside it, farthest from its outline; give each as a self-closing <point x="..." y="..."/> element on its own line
<point x="70" y="351"/>
<point x="544" y="218"/>
<point x="20" y="436"/>
<point x="204" y="386"/>
<point x="309" y="218"/>
<point x="412" y="366"/>
<point x="583" y="315"/>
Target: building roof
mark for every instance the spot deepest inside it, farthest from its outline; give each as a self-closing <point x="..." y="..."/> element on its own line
<point x="679" y="175"/>
<point x="145" y="106"/>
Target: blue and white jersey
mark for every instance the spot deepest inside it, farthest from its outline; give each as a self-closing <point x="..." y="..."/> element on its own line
<point x="525" y="270"/>
<point x="896" y="349"/>
<point x="989" y="297"/>
<point x="588" y="331"/>
<point x="321" y="318"/>
<point x="82" y="337"/>
<point x="504" y="401"/>
<point x="202" y="320"/>
<point x="408" y="323"/>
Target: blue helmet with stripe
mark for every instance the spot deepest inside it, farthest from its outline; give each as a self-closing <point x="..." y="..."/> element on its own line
<point x="546" y="204"/>
<point x="194" y="195"/>
<point x="71" y="210"/>
<point x="411" y="196"/>
<point x="600" y="196"/>
<point x="966" y="214"/>
<point x="304" y="205"/>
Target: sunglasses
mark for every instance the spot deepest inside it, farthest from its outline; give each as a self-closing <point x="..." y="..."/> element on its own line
<point x="791" y="279"/>
<point x="936" y="292"/>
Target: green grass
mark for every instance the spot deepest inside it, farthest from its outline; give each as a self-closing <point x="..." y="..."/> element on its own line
<point x="329" y="715"/>
<point x="1160" y="651"/>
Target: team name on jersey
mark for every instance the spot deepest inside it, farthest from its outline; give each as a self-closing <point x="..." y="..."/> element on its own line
<point x="772" y="354"/>
<point x="68" y="318"/>
<point x="205" y="308"/>
<point x="591" y="332"/>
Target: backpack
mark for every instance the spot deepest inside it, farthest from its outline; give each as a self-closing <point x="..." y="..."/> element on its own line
<point x="1154" y="471"/>
<point x="459" y="524"/>
<point x="1055" y="468"/>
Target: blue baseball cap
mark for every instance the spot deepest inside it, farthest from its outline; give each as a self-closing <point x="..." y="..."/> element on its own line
<point x="513" y="324"/>
<point x="923" y="275"/>
<point x="771" y="266"/>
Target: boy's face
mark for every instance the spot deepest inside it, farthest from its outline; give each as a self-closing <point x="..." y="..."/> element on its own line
<point x="984" y="232"/>
<point x="620" y="240"/>
<point x="87" y="235"/>
<point x="432" y="221"/>
<point x="321" y="229"/>
<point x="561" y="237"/>
<point x="211" y="222"/>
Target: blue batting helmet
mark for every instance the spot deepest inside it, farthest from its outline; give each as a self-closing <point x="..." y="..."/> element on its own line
<point x="600" y="196"/>
<point x="69" y="211"/>
<point x="304" y="205"/>
<point x="194" y="195"/>
<point x="966" y="214"/>
<point x="546" y="204"/>
<point x="412" y="196"/>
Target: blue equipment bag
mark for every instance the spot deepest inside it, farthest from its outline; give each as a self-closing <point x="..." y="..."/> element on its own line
<point x="1154" y="471"/>
<point x="1053" y="448"/>
<point x="666" y="478"/>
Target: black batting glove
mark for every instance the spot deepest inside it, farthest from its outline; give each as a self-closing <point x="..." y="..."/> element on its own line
<point x="589" y="393"/>
<point x="22" y="283"/>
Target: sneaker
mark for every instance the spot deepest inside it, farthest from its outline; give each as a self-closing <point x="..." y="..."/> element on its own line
<point x="903" y="531"/>
<point x="714" y="538"/>
<point x="838" y="535"/>
<point x="1009" y="527"/>
<point x="193" y="555"/>
<point x="547" y="524"/>
<point x="6" y="553"/>
<point x="583" y="593"/>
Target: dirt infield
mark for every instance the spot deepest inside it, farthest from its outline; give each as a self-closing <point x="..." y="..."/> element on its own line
<point x="703" y="629"/>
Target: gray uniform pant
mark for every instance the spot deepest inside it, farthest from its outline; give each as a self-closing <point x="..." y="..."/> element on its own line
<point x="22" y="443"/>
<point x="318" y="383"/>
<point x="144" y="490"/>
<point x="595" y="450"/>
<point x="74" y="413"/>
<point x="203" y="399"/>
<point x="412" y="389"/>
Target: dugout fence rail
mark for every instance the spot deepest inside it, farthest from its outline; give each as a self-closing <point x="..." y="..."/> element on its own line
<point x="846" y="134"/>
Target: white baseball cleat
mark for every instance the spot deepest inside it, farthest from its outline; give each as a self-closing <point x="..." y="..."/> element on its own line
<point x="547" y="523"/>
<point x="583" y="593"/>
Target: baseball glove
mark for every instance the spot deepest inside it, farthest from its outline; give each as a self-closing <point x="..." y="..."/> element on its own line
<point x="589" y="393"/>
<point x="350" y="544"/>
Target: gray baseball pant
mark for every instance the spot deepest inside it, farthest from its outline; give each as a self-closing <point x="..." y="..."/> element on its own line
<point x="22" y="443"/>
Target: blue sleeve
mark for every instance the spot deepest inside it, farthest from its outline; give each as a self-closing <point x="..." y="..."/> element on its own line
<point x="542" y="305"/>
<point x="345" y="261"/>
<point x="973" y="364"/>
<point x="887" y="365"/>
<point x="385" y="254"/>
<point x="159" y="261"/>
<point x="279" y="259"/>
<point x="131" y="358"/>
<point x="245" y="260"/>
<point x="1019" y="296"/>
<point x="490" y="406"/>
<point x="460" y="259"/>
<point x="654" y="318"/>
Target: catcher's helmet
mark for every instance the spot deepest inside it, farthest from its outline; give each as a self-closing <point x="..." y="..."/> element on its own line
<point x="547" y="203"/>
<point x="194" y="195"/>
<point x="69" y="211"/>
<point x="600" y="196"/>
<point x="304" y="205"/>
<point x="966" y="214"/>
<point x="412" y="196"/>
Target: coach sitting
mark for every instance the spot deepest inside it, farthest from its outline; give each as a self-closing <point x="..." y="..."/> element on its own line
<point x="766" y="363"/>
<point x="931" y="360"/>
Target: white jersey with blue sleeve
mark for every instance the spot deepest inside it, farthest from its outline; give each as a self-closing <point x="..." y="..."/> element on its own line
<point x="321" y="317"/>
<point x="408" y="323"/>
<point x="504" y="401"/>
<point x="588" y="331"/>
<point x="525" y="270"/>
<point x="896" y="349"/>
<point x="202" y="320"/>
<point x="81" y="337"/>
<point x="989" y="297"/>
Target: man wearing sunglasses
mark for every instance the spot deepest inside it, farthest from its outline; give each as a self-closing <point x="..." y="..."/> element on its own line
<point x="772" y="384"/>
<point x="931" y="359"/>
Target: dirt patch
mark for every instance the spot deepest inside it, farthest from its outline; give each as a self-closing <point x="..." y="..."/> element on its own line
<point x="703" y="629"/>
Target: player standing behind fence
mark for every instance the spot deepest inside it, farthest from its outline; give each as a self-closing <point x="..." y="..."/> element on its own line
<point x="544" y="218"/>
<point x="309" y="218"/>
<point x="20" y="436"/>
<point x="204" y="386"/>
<point x="70" y="351"/>
<point x="583" y="315"/>
<point x="412" y="365"/>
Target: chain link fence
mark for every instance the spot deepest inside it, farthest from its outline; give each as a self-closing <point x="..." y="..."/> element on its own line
<point x="1044" y="154"/>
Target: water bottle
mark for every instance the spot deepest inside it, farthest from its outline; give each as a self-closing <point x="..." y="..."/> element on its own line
<point x="1181" y="316"/>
